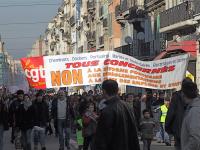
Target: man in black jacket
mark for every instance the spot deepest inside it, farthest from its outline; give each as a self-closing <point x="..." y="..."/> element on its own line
<point x="175" y="115"/>
<point x="40" y="118"/>
<point x="3" y="118"/>
<point x="116" y="129"/>
<point x="62" y="114"/>
<point x="25" y="121"/>
<point x="13" y="115"/>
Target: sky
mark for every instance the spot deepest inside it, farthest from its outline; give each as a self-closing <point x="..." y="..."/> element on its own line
<point x="19" y="38"/>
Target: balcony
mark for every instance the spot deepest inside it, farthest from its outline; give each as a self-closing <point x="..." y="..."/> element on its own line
<point x="126" y="49"/>
<point x="91" y="48"/>
<point x="136" y="13"/>
<point x="91" y="6"/>
<point x="130" y="13"/>
<point x="101" y="41"/>
<point x="153" y="3"/>
<point x="118" y="15"/>
<point x="124" y="6"/>
<point x="80" y="49"/>
<point x="72" y="21"/>
<point x="177" y="17"/>
<point x="101" y="12"/>
<point x="105" y="23"/>
<point x="145" y="49"/>
<point x="91" y="37"/>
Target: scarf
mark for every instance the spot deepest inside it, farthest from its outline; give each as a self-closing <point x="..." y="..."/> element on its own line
<point x="27" y="104"/>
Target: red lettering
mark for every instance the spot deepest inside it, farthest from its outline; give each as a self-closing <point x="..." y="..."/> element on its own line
<point x="122" y="63"/>
<point x="164" y="69"/>
<point x="107" y="62"/>
<point x="157" y="70"/>
<point x="146" y="70"/>
<point x="82" y="64"/>
<point x="131" y="65"/>
<point x="114" y="62"/>
<point x="95" y="63"/>
<point x="171" y="68"/>
<point x="76" y="65"/>
<point x="68" y="65"/>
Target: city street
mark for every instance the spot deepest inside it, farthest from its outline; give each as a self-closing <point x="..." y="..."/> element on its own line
<point x="52" y="144"/>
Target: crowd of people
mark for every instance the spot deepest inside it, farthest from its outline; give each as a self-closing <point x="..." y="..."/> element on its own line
<point x="102" y="121"/>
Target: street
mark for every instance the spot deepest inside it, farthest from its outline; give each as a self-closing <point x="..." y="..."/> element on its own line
<point x="52" y="144"/>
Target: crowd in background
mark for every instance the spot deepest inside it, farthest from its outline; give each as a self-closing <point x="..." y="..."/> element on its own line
<point x="63" y="115"/>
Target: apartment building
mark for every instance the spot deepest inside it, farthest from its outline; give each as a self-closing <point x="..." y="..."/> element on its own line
<point x="38" y="48"/>
<point x="9" y="70"/>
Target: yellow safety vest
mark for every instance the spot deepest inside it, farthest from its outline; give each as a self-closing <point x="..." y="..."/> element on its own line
<point x="164" y="110"/>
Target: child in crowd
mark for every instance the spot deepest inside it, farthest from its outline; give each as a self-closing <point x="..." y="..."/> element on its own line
<point x="147" y="126"/>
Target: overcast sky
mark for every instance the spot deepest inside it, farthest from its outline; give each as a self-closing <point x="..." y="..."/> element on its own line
<point x="13" y="35"/>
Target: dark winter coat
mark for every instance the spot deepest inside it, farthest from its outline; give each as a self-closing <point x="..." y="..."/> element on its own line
<point x="116" y="129"/>
<point x="137" y="111"/>
<point x="26" y="119"/>
<point x="69" y="111"/>
<point x="175" y="115"/>
<point x="4" y="115"/>
<point x="13" y="112"/>
<point x="40" y="114"/>
<point x="190" y="134"/>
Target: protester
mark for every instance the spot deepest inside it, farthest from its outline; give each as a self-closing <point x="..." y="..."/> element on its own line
<point x="13" y="115"/>
<point x="62" y="113"/>
<point x="164" y="136"/>
<point x="137" y="109"/>
<point x="190" y="133"/>
<point x="3" y="118"/>
<point x="147" y="126"/>
<point x="48" y="101"/>
<point x="116" y="129"/>
<point x="79" y="132"/>
<point x="25" y="121"/>
<point x="143" y="105"/>
<point x="89" y="126"/>
<point x="41" y="118"/>
<point x="175" y="115"/>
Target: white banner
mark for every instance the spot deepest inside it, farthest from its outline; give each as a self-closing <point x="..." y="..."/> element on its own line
<point x="94" y="68"/>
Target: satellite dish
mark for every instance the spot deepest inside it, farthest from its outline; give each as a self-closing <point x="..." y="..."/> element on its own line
<point x="140" y="36"/>
<point x="128" y="40"/>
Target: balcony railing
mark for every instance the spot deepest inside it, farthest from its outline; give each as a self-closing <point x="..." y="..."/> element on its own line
<point x="91" y="6"/>
<point x="72" y="21"/>
<point x="176" y="14"/>
<point x="124" y="6"/>
<point x="145" y="49"/>
<point x="117" y="11"/>
<point x="91" y="36"/>
<point x="101" y="41"/>
<point x="126" y="49"/>
<point x="80" y="49"/>
<point x="101" y="12"/>
<point x="105" y="22"/>
<point x="136" y="12"/>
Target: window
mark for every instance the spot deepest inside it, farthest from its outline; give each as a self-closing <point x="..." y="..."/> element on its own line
<point x="110" y="24"/>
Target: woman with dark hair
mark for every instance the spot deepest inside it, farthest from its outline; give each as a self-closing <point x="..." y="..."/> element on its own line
<point x="89" y="126"/>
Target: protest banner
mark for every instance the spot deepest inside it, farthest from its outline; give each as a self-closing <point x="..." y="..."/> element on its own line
<point x="93" y="68"/>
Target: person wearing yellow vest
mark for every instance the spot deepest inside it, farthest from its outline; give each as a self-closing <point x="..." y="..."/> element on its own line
<point x="164" y="110"/>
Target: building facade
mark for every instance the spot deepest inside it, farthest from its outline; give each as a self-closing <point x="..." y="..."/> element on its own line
<point x="11" y="74"/>
<point x="39" y="48"/>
